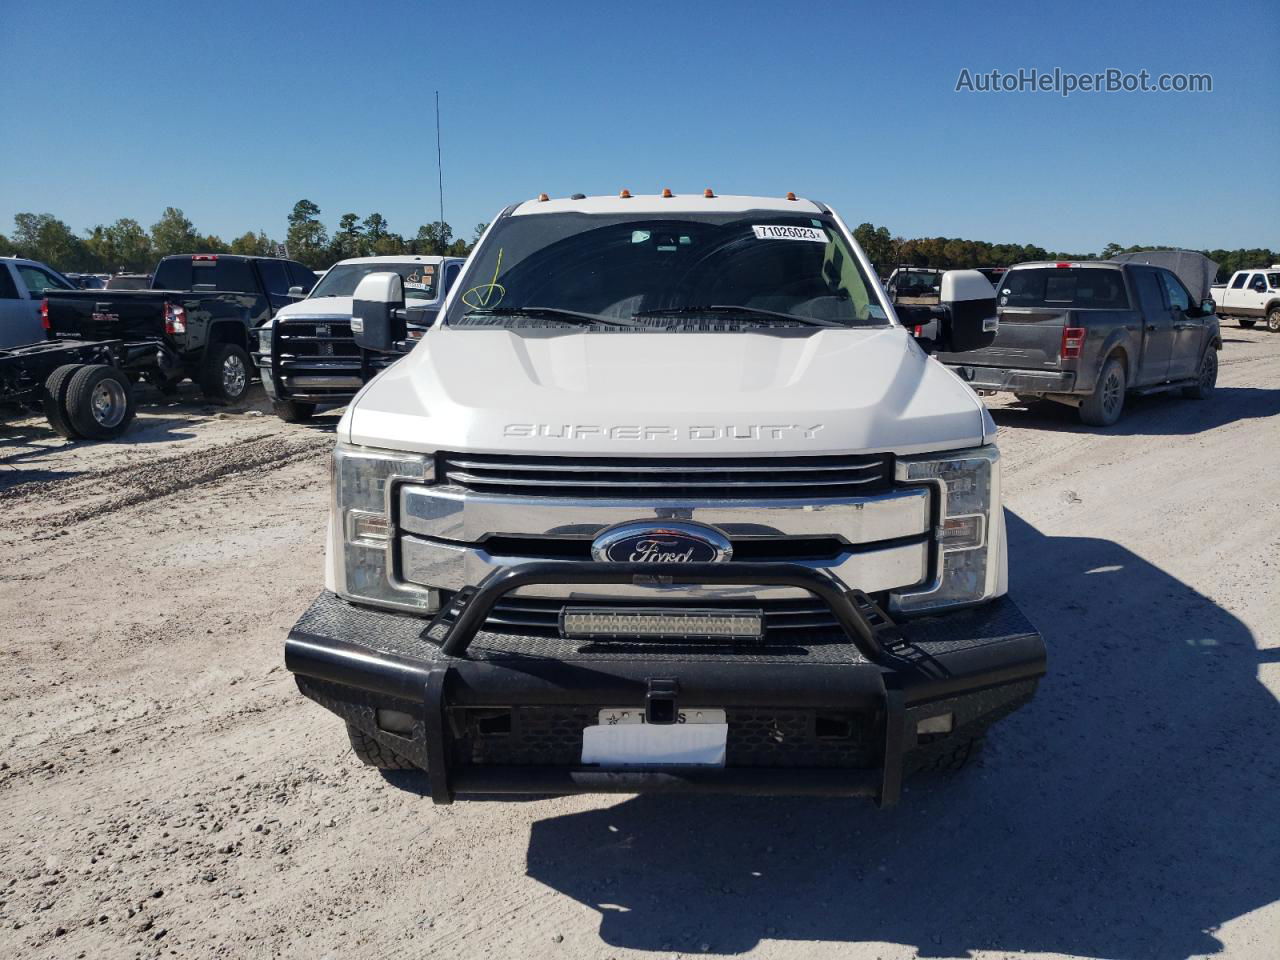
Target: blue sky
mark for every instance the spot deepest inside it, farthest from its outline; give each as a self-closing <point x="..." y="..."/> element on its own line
<point x="234" y="110"/>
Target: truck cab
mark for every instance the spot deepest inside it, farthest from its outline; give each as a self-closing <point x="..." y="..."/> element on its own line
<point x="668" y="499"/>
<point x="307" y="355"/>
<point x="1250" y="296"/>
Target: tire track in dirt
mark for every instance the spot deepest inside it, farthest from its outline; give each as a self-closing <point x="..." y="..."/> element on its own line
<point x="131" y="484"/>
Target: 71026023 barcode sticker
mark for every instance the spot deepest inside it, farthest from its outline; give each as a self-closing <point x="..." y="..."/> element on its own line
<point x="776" y="232"/>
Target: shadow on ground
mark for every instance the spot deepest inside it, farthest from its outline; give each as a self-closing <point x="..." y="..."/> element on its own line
<point x="1160" y="414"/>
<point x="1128" y="812"/>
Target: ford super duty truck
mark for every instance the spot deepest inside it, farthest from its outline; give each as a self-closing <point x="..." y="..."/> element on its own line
<point x="1250" y="296"/>
<point x="668" y="499"/>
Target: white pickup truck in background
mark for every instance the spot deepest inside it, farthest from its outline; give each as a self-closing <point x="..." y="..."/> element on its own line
<point x="1250" y="296"/>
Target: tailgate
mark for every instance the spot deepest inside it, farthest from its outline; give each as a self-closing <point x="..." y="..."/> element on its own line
<point x="108" y="314"/>
<point x="1028" y="339"/>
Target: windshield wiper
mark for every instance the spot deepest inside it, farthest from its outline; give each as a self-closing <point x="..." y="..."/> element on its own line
<point x="555" y="313"/>
<point x="745" y="311"/>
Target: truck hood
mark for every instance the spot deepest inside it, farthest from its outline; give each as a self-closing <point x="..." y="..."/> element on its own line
<point x="605" y="393"/>
<point x="317" y="307"/>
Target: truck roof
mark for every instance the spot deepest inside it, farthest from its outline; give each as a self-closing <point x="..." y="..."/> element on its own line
<point x="677" y="203"/>
<point x="401" y="258"/>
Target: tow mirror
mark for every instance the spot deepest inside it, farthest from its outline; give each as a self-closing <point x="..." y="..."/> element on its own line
<point x="969" y="320"/>
<point x="377" y="320"/>
<point x="1207" y="307"/>
<point x="296" y="293"/>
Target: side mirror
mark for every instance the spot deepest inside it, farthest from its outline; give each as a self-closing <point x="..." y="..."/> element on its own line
<point x="1207" y="307"/>
<point x="969" y="320"/>
<point x="296" y="292"/>
<point x="377" y="320"/>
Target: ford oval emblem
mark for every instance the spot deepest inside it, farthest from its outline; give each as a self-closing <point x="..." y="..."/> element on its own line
<point x="648" y="541"/>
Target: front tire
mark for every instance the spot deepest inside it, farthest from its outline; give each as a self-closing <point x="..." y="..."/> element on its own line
<point x="224" y="375"/>
<point x="100" y="402"/>
<point x="291" y="411"/>
<point x="1208" y="377"/>
<point x="1103" y="407"/>
<point x="374" y="753"/>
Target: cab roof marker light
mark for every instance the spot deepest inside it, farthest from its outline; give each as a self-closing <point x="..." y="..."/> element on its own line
<point x="666" y="193"/>
<point x="790" y="195"/>
<point x="624" y="194"/>
<point x="709" y="193"/>
<point x="543" y="198"/>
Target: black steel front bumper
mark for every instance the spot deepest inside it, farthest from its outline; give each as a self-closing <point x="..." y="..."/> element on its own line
<point x="495" y="713"/>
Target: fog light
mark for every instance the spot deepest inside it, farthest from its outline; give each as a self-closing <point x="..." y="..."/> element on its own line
<point x="942" y="723"/>
<point x="395" y="721"/>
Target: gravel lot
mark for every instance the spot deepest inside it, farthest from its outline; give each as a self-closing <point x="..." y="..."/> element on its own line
<point x="165" y="790"/>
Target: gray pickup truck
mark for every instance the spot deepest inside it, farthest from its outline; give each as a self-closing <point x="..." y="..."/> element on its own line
<point x="1088" y="334"/>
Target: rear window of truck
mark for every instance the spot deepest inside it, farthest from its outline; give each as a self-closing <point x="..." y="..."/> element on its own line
<point x="183" y="273"/>
<point x="1076" y="288"/>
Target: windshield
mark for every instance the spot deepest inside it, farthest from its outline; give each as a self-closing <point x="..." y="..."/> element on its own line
<point x="669" y="270"/>
<point x="341" y="281"/>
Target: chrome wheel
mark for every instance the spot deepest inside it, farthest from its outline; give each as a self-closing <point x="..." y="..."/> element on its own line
<point x="1273" y="321"/>
<point x="108" y="403"/>
<point x="234" y="376"/>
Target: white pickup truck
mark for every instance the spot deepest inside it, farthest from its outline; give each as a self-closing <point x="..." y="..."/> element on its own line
<point x="1250" y="296"/>
<point x="667" y="500"/>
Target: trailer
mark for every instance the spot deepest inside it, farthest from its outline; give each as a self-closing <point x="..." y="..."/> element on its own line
<point x="78" y="384"/>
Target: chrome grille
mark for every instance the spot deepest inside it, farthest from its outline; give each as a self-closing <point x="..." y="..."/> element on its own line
<point x="685" y="478"/>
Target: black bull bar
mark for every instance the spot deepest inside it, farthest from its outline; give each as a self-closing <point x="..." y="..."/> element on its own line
<point x="431" y="681"/>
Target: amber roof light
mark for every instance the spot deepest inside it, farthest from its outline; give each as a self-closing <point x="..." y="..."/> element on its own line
<point x="790" y="195"/>
<point x="666" y="193"/>
<point x="708" y="193"/>
<point x="624" y="194"/>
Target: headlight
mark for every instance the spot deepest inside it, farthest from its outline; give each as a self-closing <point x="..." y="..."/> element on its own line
<point x="264" y="342"/>
<point x="364" y="481"/>
<point x="969" y="528"/>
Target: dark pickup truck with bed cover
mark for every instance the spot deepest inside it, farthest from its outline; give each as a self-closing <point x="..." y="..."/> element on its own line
<point x="1089" y="333"/>
<point x="195" y="321"/>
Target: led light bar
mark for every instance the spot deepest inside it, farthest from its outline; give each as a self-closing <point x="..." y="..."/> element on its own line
<point x="675" y="623"/>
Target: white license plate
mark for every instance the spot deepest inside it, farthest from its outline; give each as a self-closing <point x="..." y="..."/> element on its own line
<point x="622" y="738"/>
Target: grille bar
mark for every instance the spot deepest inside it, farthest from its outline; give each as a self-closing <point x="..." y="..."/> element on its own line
<point x="730" y="478"/>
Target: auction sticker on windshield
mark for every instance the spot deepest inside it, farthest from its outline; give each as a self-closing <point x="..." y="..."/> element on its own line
<point x="789" y="233"/>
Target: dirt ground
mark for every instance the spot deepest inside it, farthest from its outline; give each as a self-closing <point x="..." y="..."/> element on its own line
<point x="165" y="790"/>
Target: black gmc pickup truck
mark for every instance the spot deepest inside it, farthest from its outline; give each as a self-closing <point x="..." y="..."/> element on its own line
<point x="194" y="322"/>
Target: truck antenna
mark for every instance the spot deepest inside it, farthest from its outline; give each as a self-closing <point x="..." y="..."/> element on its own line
<point x="440" y="172"/>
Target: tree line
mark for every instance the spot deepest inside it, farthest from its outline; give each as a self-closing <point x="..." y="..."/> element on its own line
<point x="126" y="246"/>
<point x="887" y="251"/>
